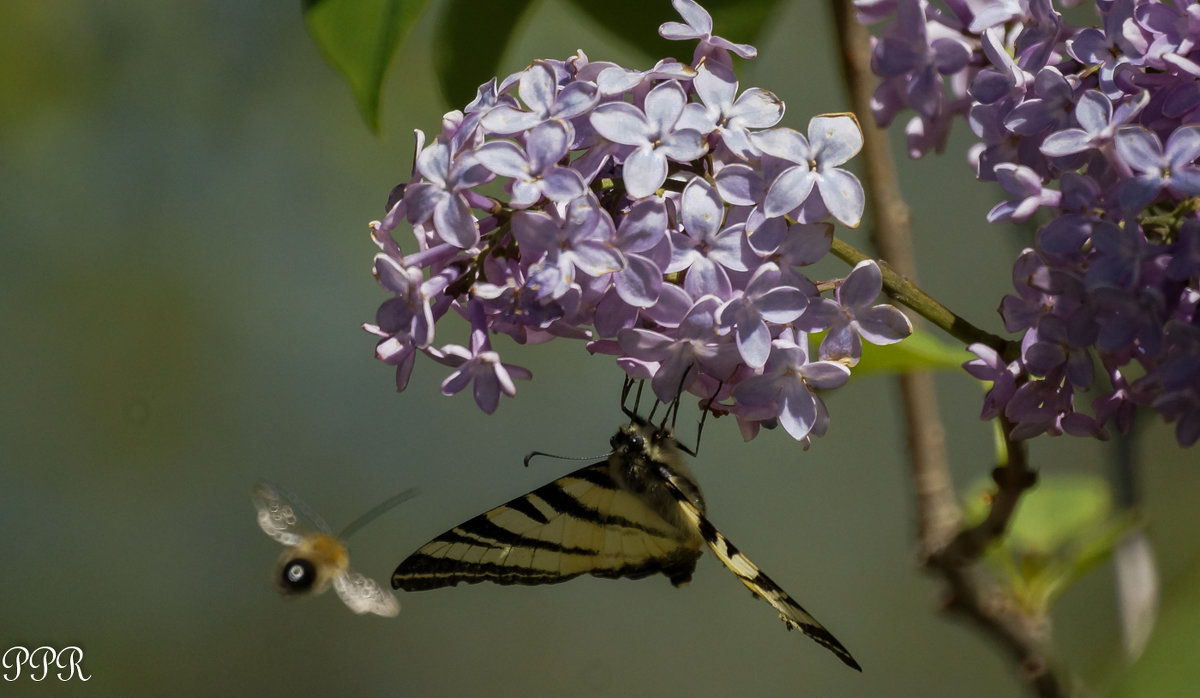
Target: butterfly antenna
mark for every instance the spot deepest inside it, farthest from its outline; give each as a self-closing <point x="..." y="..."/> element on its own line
<point x="377" y="512"/>
<point x="555" y="455"/>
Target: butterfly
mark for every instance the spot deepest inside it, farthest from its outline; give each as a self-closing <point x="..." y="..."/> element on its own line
<point x="639" y="512"/>
<point x="315" y="559"/>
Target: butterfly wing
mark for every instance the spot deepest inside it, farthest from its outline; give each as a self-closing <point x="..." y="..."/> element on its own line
<point x="583" y="523"/>
<point x="362" y="595"/>
<point x="762" y="586"/>
<point x="282" y="516"/>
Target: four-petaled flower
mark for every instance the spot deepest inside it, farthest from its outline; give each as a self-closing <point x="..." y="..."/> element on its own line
<point x="699" y="26"/>
<point x="831" y="142"/>
<point x="696" y="344"/>
<point x="765" y="300"/>
<point x="786" y="386"/>
<point x="854" y="316"/>
<point x="709" y="247"/>
<point x="538" y="88"/>
<point x="582" y="239"/>
<point x="733" y="118"/>
<point x="480" y="366"/>
<point x="535" y="170"/>
<point x="653" y="135"/>
<point x="440" y="197"/>
<point x="1158" y="168"/>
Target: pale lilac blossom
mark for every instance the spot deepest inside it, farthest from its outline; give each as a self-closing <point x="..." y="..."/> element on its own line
<point x="653" y="135"/>
<point x="859" y="318"/>
<point x="581" y="200"/>
<point x="816" y="162"/>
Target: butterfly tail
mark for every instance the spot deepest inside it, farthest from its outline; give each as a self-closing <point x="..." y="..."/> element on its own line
<point x="762" y="586"/>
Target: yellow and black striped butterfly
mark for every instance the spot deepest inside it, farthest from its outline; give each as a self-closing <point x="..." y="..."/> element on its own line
<point x="638" y="513"/>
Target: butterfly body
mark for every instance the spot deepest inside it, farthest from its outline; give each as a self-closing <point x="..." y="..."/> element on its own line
<point x="636" y="514"/>
<point x="641" y="454"/>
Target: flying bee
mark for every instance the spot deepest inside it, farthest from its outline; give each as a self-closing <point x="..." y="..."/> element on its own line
<point x="315" y="558"/>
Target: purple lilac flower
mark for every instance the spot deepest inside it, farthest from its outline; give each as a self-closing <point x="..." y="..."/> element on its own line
<point x="766" y="299"/>
<point x="831" y="142"/>
<point x="733" y="118"/>
<point x="634" y="210"/>
<point x="642" y="240"/>
<point x="990" y="367"/>
<point x="1095" y="131"/>
<point x="538" y="88"/>
<point x="698" y="25"/>
<point x="653" y="135"/>
<point x="438" y="196"/>
<point x="480" y="367"/>
<point x="1171" y="167"/>
<point x="695" y="344"/>
<point x="580" y="238"/>
<point x="856" y="317"/>
<point x="707" y="249"/>
<point x="788" y="381"/>
<point x="1025" y="183"/>
<point x="1097" y="121"/>
<point x="534" y="170"/>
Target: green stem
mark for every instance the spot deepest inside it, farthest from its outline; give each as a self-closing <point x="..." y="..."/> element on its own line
<point x="909" y="294"/>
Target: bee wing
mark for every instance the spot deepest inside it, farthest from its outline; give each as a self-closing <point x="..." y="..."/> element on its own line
<point x="362" y="595"/>
<point x="283" y="516"/>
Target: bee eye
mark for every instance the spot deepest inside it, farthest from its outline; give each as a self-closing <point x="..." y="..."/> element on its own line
<point x="298" y="575"/>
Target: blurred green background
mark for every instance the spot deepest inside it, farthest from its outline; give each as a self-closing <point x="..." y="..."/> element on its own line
<point x="184" y="266"/>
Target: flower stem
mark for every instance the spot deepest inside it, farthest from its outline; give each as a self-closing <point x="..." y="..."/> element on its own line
<point x="906" y="292"/>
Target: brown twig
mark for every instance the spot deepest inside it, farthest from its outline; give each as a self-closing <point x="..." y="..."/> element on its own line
<point x="947" y="546"/>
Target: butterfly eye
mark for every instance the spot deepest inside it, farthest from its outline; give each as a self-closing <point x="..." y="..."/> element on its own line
<point x="298" y="575"/>
<point x="626" y="442"/>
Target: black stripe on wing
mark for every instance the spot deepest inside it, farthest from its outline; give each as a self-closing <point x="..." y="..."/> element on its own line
<point x="791" y="613"/>
<point x="582" y="523"/>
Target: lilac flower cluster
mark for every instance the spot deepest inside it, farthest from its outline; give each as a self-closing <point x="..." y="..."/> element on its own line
<point x="656" y="214"/>
<point x="1097" y="131"/>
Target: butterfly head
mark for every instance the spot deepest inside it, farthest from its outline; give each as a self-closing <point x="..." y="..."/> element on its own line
<point x="643" y="456"/>
<point x="640" y="444"/>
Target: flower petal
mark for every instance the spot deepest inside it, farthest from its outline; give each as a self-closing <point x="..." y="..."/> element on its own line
<point x="862" y="285"/>
<point x="645" y="170"/>
<point x="788" y="191"/>
<point x="701" y="209"/>
<point x="621" y="123"/>
<point x="836" y="139"/>
<point x="843" y="196"/>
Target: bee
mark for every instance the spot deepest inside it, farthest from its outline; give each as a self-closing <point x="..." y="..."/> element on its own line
<point x="315" y="558"/>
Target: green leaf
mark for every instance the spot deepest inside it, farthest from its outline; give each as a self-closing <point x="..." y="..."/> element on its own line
<point x="1055" y="512"/>
<point x="919" y="352"/>
<point x="359" y="39"/>
<point x="471" y="37"/>
<point x="1058" y="511"/>
<point x="1062" y="529"/>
